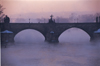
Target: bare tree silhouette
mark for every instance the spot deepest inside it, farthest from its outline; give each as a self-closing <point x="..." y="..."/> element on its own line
<point x="1" y="13"/>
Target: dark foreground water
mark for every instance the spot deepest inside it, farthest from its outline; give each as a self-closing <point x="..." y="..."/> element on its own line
<point x="69" y="52"/>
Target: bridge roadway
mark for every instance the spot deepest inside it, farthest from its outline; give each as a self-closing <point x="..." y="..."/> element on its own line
<point x="51" y="32"/>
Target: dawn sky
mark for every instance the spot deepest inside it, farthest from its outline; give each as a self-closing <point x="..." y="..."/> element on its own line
<point x="14" y="7"/>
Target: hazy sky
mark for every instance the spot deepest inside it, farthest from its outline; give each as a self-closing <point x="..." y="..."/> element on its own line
<point x="35" y="6"/>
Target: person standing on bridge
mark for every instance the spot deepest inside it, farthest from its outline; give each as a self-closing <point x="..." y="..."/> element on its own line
<point x="6" y="19"/>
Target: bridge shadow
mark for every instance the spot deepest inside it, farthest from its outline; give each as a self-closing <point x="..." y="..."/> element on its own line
<point x="29" y="36"/>
<point x="74" y="35"/>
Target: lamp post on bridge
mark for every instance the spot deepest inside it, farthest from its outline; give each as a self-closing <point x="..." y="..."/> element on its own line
<point x="29" y="20"/>
<point x="77" y="20"/>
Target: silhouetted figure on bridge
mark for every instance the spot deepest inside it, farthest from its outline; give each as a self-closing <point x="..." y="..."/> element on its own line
<point x="97" y="19"/>
<point x="6" y="19"/>
<point x="50" y="20"/>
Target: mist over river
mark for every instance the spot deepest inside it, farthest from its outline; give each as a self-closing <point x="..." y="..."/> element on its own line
<point x="73" y="49"/>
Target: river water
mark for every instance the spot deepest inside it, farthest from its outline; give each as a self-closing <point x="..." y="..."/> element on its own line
<point x="74" y="49"/>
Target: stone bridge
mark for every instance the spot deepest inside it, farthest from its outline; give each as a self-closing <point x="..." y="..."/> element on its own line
<point x="51" y="31"/>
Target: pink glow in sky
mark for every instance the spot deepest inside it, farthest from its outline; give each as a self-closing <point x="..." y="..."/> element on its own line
<point x="35" y="6"/>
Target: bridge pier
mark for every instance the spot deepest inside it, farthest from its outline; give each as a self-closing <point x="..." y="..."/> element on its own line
<point x="7" y="37"/>
<point x="92" y="39"/>
<point x="51" y="38"/>
<point x="95" y="37"/>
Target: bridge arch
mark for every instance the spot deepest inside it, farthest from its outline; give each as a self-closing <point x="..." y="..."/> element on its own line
<point x="29" y="35"/>
<point x="74" y="34"/>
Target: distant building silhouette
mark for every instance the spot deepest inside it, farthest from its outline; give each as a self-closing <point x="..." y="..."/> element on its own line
<point x="50" y="20"/>
<point x="6" y="19"/>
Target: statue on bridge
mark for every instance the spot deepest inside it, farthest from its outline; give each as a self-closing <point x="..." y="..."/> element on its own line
<point x="6" y="19"/>
<point x="50" y="20"/>
<point x="98" y="19"/>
